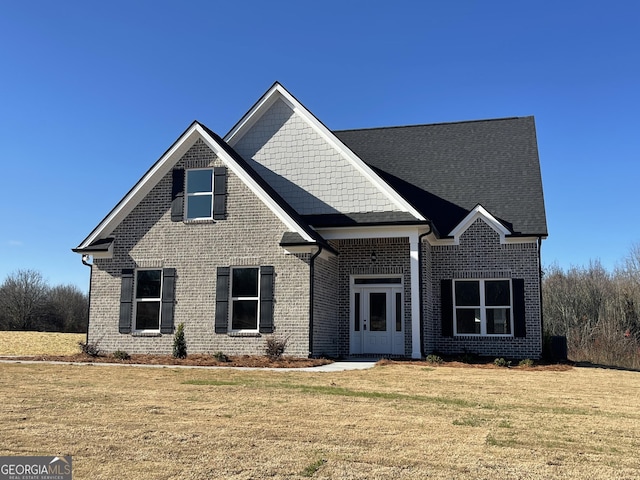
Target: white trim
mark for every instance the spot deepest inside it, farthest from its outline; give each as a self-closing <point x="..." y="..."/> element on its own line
<point x="479" y="212"/>
<point x="414" y="252"/>
<point x="395" y="337"/>
<point x="164" y="165"/>
<point x="483" y="308"/>
<point x="385" y="231"/>
<point x="197" y="194"/>
<point x="136" y="300"/>
<point x="232" y="299"/>
<point x="278" y="91"/>
<point x="311" y="249"/>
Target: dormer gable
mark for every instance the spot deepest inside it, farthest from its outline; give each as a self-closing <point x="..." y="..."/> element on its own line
<point x="98" y="243"/>
<point x="479" y="212"/>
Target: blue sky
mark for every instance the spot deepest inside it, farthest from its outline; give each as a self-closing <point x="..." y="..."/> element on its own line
<point x="92" y="93"/>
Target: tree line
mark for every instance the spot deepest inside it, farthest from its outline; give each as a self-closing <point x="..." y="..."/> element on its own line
<point x="28" y="302"/>
<point x="598" y="311"/>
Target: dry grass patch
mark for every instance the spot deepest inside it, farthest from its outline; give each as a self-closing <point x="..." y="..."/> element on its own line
<point x="39" y="343"/>
<point x="394" y="421"/>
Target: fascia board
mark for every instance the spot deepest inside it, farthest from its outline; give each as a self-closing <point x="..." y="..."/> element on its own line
<point x="252" y="116"/>
<point x="311" y="249"/>
<point x="278" y="91"/>
<point x="386" y="231"/>
<point x="144" y="185"/>
<point x="479" y="212"/>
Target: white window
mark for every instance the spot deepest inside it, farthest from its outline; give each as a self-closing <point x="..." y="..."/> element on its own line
<point x="148" y="293"/>
<point x="199" y="194"/>
<point x="483" y="307"/>
<point x="245" y="298"/>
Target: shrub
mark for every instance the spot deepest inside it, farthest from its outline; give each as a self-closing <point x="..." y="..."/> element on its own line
<point x="121" y="355"/>
<point x="221" y="357"/>
<point x="179" y="343"/>
<point x="275" y="346"/>
<point x="436" y="359"/>
<point x="501" y="362"/>
<point x="90" y="348"/>
<point x="527" y="362"/>
<point x="469" y="357"/>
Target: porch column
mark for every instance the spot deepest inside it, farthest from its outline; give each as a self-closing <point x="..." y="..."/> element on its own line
<point x="415" y="296"/>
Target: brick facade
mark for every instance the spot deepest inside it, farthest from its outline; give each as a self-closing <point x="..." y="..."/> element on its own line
<point x="250" y="235"/>
<point x="481" y="255"/>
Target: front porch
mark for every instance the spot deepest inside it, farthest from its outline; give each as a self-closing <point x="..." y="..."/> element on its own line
<point x="376" y="295"/>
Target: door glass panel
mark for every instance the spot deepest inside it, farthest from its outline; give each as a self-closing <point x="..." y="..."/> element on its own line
<point x="378" y="312"/>
<point x="356" y="312"/>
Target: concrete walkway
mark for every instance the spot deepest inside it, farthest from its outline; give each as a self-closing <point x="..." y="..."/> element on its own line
<point x="330" y="367"/>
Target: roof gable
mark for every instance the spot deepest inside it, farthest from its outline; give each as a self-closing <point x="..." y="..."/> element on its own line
<point x="479" y="212"/>
<point x="306" y="163"/>
<point x="168" y="160"/>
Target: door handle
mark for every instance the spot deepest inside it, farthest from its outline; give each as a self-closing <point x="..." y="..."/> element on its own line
<point x="364" y="324"/>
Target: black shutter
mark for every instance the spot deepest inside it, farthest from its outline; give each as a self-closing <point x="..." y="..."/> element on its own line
<point x="266" y="300"/>
<point x="222" y="300"/>
<point x="126" y="301"/>
<point x="220" y="193"/>
<point x="168" y="297"/>
<point x="177" y="195"/>
<point x="446" y="307"/>
<point x="520" y="324"/>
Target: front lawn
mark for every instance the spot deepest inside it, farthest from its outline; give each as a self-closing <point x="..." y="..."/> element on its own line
<point x="393" y="421"/>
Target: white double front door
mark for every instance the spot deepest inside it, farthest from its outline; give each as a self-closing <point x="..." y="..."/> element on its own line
<point x="376" y="320"/>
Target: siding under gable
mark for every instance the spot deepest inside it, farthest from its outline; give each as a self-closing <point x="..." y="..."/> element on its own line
<point x="310" y="174"/>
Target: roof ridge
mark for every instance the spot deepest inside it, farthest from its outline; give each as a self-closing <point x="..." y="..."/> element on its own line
<point x="433" y="124"/>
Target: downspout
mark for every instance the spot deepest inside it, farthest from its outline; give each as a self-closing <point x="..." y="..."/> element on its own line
<point x="312" y="262"/>
<point x="420" y="288"/>
<point x="540" y="291"/>
<point x="85" y="259"/>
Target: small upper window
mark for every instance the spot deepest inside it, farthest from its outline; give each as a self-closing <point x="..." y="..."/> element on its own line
<point x="199" y="194"/>
<point x="148" y="299"/>
<point x="483" y="307"/>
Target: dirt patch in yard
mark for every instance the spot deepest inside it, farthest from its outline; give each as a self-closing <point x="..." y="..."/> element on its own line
<point x="191" y="360"/>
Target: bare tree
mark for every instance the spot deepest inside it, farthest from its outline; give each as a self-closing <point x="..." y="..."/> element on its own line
<point x="596" y="310"/>
<point x="22" y="296"/>
<point x="66" y="310"/>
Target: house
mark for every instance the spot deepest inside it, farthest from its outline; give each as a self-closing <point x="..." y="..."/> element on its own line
<point x="383" y="241"/>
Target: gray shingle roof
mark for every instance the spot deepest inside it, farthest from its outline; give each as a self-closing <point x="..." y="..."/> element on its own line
<point x="445" y="170"/>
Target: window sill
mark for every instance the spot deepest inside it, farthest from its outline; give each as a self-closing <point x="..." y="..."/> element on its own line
<point x="244" y="334"/>
<point x="198" y="220"/>
<point x="472" y="336"/>
<point x="146" y="334"/>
